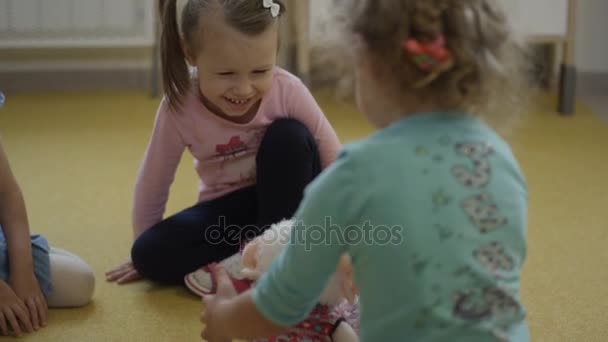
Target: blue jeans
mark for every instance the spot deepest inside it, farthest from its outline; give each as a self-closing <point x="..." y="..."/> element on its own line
<point x="40" y="256"/>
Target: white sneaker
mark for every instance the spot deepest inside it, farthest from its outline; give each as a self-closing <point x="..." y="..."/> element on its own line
<point x="202" y="281"/>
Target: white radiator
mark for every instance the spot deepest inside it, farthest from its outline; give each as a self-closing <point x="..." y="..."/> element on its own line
<point x="76" y="23"/>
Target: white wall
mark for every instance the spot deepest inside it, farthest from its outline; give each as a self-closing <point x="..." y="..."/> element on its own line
<point x="592" y="36"/>
<point x="538" y="17"/>
<point x="319" y="13"/>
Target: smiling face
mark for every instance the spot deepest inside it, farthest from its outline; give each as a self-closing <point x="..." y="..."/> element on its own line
<point x="234" y="69"/>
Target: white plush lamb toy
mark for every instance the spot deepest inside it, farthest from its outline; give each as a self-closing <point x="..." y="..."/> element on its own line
<point x="327" y="322"/>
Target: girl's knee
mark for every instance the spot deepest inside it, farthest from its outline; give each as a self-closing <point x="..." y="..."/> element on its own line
<point x="73" y="281"/>
<point x="287" y="129"/>
<point x="287" y="135"/>
<point x="83" y="288"/>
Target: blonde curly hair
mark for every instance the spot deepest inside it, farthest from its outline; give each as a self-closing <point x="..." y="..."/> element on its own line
<point x="488" y="66"/>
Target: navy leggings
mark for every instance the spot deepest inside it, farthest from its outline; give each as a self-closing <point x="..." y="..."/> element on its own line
<point x="287" y="161"/>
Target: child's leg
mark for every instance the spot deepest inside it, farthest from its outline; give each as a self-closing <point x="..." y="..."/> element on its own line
<point x="64" y="278"/>
<point x="40" y="258"/>
<point x="73" y="280"/>
<point x="288" y="160"/>
<point x="205" y="233"/>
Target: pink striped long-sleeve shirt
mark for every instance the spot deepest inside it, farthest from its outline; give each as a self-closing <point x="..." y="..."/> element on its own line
<point x="224" y="152"/>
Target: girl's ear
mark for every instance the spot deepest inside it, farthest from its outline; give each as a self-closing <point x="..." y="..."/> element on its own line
<point x="189" y="54"/>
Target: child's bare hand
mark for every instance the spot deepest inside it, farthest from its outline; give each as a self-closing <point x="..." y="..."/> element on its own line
<point x="13" y="313"/>
<point x="211" y="316"/>
<point x="123" y="274"/>
<point x="28" y="290"/>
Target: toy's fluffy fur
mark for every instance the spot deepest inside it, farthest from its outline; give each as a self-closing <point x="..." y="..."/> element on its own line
<point x="259" y="254"/>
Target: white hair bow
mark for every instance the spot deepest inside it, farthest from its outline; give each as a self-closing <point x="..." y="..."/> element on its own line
<point x="275" y="9"/>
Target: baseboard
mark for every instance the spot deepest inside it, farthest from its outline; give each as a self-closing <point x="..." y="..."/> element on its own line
<point x="592" y="83"/>
<point x="66" y="80"/>
<point x="588" y="83"/>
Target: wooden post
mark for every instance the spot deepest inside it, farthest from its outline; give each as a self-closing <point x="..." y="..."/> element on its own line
<point x="301" y="29"/>
<point x="567" y="86"/>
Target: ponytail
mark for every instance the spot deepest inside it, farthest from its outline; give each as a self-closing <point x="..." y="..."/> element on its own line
<point x="176" y="79"/>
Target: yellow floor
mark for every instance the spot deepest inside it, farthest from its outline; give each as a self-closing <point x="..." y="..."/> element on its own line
<point x="76" y="156"/>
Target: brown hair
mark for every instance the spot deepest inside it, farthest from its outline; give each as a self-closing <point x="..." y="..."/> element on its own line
<point x="247" y="16"/>
<point x="488" y="59"/>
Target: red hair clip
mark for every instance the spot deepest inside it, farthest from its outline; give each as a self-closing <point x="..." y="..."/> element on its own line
<point x="429" y="56"/>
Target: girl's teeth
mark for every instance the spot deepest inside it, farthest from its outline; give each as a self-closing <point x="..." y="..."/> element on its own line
<point x="237" y="101"/>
